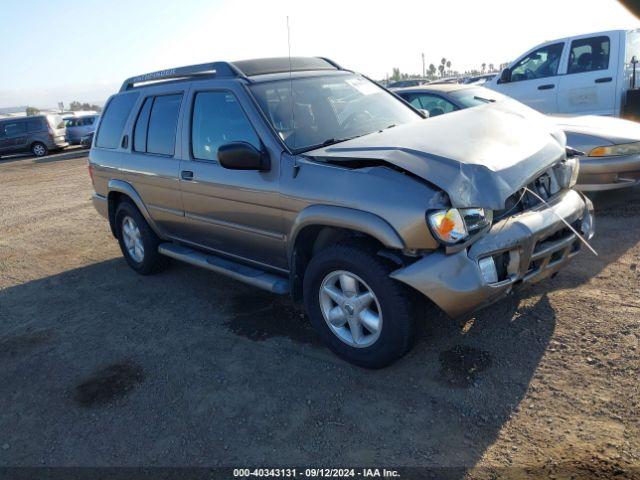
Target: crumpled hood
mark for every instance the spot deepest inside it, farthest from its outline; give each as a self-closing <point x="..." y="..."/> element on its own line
<point x="611" y="130"/>
<point x="478" y="156"/>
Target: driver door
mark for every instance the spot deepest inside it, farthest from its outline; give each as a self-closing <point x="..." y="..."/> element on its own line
<point x="534" y="78"/>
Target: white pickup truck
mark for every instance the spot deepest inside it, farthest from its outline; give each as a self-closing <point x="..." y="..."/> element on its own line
<point x="591" y="74"/>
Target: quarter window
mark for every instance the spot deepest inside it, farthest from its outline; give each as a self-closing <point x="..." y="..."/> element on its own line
<point x="540" y="63"/>
<point x="589" y="54"/>
<point x="34" y="125"/>
<point x="113" y="120"/>
<point x="218" y="119"/>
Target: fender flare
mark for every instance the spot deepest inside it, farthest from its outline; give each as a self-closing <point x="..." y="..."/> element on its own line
<point x="127" y="189"/>
<point x="344" y="217"/>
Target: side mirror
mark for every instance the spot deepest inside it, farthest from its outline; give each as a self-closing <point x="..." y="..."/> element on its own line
<point x="424" y="112"/>
<point x="242" y="156"/>
<point x="505" y="76"/>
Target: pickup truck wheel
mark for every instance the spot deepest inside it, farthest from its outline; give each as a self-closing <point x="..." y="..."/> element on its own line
<point x="361" y="314"/>
<point x="139" y="244"/>
<point x="39" y="149"/>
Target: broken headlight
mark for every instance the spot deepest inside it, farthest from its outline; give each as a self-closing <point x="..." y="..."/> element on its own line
<point x="455" y="225"/>
<point x="614" y="150"/>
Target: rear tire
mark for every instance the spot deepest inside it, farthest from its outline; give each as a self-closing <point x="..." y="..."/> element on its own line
<point x="386" y="330"/>
<point x="39" y="149"/>
<point x="139" y="244"/>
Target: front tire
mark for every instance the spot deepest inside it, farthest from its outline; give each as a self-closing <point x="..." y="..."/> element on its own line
<point x="138" y="242"/>
<point x="39" y="149"/>
<point x="362" y="314"/>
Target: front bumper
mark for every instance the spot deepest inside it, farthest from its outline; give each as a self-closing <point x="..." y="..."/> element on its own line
<point x="528" y="248"/>
<point x="608" y="173"/>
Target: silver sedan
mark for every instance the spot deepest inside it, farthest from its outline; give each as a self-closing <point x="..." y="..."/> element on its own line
<point x="611" y="146"/>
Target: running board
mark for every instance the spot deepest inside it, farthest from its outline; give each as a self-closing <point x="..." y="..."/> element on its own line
<point x="237" y="271"/>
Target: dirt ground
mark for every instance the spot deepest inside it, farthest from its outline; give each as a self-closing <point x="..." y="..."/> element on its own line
<point x="102" y="367"/>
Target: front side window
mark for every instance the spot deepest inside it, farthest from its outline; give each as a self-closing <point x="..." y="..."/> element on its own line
<point x="315" y="111"/>
<point x="114" y="119"/>
<point x="540" y="63"/>
<point x="14" y="129"/>
<point x="589" y="54"/>
<point x="434" y="104"/>
<point x="163" y="122"/>
<point x="218" y="119"/>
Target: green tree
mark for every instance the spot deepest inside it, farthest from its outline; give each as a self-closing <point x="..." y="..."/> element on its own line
<point x="443" y="62"/>
<point x="449" y="66"/>
<point x="395" y="75"/>
<point x="432" y="70"/>
<point x="32" y="111"/>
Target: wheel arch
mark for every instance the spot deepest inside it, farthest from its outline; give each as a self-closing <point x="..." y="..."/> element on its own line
<point x="119" y="190"/>
<point x="320" y="225"/>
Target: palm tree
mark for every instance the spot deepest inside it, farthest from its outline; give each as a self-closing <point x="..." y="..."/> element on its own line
<point x="432" y="70"/>
<point x="443" y="62"/>
<point x="449" y="66"/>
<point x="484" y="67"/>
<point x="491" y="67"/>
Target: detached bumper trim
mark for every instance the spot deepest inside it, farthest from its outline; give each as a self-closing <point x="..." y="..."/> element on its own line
<point x="100" y="204"/>
<point x="541" y="244"/>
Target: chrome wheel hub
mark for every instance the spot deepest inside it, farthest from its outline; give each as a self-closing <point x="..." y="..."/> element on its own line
<point x="132" y="239"/>
<point x="350" y="308"/>
<point x="38" y="150"/>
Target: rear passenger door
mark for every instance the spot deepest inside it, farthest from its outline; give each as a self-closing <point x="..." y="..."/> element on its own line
<point x="152" y="166"/>
<point x="230" y="211"/>
<point x="589" y="87"/>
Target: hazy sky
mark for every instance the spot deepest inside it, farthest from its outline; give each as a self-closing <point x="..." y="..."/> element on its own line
<point x="64" y="50"/>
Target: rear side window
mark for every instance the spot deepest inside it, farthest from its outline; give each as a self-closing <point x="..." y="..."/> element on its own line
<point x="155" y="129"/>
<point x="140" y="130"/>
<point x="34" y="125"/>
<point x="218" y="119"/>
<point x="113" y="120"/>
<point x="589" y="54"/>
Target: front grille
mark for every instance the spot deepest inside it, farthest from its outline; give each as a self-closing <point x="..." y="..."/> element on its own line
<point x="545" y="186"/>
<point x="553" y="249"/>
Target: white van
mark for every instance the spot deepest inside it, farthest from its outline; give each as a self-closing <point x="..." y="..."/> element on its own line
<point x="584" y="74"/>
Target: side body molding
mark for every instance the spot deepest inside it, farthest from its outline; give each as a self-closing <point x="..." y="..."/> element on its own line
<point x="342" y="217"/>
<point x="127" y="189"/>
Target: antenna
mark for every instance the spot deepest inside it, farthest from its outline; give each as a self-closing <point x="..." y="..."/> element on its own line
<point x="293" y="126"/>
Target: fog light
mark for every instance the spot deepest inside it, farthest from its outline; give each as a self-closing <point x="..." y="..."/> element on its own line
<point x="488" y="269"/>
<point x="588" y="225"/>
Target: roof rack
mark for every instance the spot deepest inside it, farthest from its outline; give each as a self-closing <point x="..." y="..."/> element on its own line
<point x="217" y="69"/>
<point x="241" y="69"/>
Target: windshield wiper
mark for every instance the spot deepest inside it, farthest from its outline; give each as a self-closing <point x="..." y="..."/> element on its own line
<point x="482" y="99"/>
<point x="326" y="143"/>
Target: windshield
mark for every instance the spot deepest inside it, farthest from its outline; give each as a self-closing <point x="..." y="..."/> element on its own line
<point x="328" y="109"/>
<point x="472" y="97"/>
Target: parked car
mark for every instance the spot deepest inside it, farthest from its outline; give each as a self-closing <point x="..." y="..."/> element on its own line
<point x="445" y="80"/>
<point x="478" y="79"/>
<point x="87" y="140"/>
<point x="298" y="176"/>
<point x="78" y="127"/>
<point x="590" y="74"/>
<point x="37" y="134"/>
<point x="610" y="146"/>
<point x="407" y="83"/>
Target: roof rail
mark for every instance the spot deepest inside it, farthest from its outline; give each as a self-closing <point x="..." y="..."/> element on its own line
<point x="218" y="69"/>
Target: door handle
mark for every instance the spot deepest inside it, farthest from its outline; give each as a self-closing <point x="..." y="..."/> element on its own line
<point x="603" y="80"/>
<point x="186" y="175"/>
<point x="548" y="86"/>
